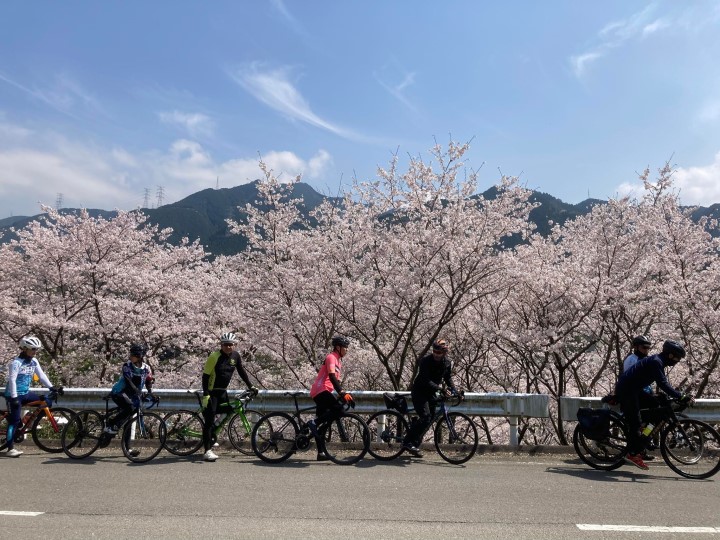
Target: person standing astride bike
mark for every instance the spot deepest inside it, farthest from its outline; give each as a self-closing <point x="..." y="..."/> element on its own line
<point x="641" y="348"/>
<point x="127" y="391"/>
<point x="17" y="389"/>
<point x="631" y="387"/>
<point x="327" y="380"/>
<point x="216" y="376"/>
<point x="433" y="369"/>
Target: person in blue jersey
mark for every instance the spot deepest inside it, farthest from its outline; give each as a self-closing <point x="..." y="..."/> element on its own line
<point x="127" y="391"/>
<point x="641" y="348"/>
<point x="631" y="386"/>
<point x="17" y="389"/>
<point x="218" y="371"/>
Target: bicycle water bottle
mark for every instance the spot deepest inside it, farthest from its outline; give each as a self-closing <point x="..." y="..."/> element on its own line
<point x="647" y="430"/>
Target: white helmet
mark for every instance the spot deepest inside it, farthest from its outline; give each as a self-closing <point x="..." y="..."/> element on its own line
<point x="228" y="337"/>
<point x="30" y="342"/>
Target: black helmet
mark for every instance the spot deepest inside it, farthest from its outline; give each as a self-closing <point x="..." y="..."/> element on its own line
<point x="440" y="345"/>
<point x="340" y="341"/>
<point x="641" y="340"/>
<point x="137" y="350"/>
<point x="674" y="348"/>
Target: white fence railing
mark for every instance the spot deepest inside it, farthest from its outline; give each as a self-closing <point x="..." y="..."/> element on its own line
<point x="511" y="406"/>
<point x="707" y="410"/>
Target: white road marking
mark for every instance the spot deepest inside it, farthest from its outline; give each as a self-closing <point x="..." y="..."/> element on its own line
<point x="13" y="513"/>
<point x="647" y="528"/>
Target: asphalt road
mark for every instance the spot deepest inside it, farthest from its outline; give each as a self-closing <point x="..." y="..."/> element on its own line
<point x="499" y="496"/>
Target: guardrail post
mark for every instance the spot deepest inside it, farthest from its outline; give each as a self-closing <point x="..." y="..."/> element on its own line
<point x="513" y="430"/>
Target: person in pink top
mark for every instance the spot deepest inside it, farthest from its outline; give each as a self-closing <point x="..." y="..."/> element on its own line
<point x="328" y="379"/>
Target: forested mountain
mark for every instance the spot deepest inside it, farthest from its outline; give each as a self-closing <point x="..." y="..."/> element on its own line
<point x="202" y="215"/>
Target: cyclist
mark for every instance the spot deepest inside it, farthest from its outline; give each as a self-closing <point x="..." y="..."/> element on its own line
<point x="327" y="380"/>
<point x="433" y="369"/>
<point x="127" y="391"/>
<point x="21" y="371"/>
<point x="216" y="377"/>
<point x="631" y="387"/>
<point x="641" y="348"/>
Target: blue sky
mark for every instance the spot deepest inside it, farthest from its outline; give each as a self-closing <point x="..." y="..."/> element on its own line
<point x="106" y="101"/>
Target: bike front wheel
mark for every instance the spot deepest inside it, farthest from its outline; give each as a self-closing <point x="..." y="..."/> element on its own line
<point x="47" y="430"/>
<point x="82" y="434"/>
<point x="273" y="437"/>
<point x="184" y="432"/>
<point x="606" y="454"/>
<point x="346" y="439"/>
<point x="456" y="438"/>
<point x="387" y="432"/>
<point x="143" y="437"/>
<point x="240" y="430"/>
<point x="691" y="448"/>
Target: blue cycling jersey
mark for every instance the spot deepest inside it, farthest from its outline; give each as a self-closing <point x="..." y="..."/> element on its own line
<point x="20" y="376"/>
<point x="132" y="378"/>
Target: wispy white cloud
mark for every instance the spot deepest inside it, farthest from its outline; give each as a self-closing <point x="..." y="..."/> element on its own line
<point x="62" y="93"/>
<point x="696" y="184"/>
<point x="617" y="33"/>
<point x="273" y="88"/>
<point x="288" y="17"/>
<point x="194" y="124"/>
<point x="398" y="90"/>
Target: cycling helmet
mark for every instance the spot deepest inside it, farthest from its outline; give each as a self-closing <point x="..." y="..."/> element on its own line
<point x="674" y="348"/>
<point x="440" y="345"/>
<point x="340" y="341"/>
<point x="137" y="350"/>
<point x="30" y="342"/>
<point x="641" y="340"/>
<point x="228" y="337"/>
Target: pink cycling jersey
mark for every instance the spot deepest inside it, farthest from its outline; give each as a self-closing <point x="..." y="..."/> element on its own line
<point x="322" y="383"/>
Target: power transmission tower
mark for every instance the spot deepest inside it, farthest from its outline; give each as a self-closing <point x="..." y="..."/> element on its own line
<point x="58" y="201"/>
<point x="160" y="196"/>
<point x="146" y="198"/>
<point x="217" y="183"/>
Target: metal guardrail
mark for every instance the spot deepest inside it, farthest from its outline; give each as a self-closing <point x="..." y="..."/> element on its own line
<point x="511" y="406"/>
<point x="707" y="410"/>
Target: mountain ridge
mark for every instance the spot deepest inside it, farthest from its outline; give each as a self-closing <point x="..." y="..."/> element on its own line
<point x="202" y="215"/>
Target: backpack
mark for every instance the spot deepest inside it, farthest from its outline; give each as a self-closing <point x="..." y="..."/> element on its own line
<point x="396" y="401"/>
<point x="594" y="423"/>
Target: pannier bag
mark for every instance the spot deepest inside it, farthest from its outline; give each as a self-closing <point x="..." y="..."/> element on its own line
<point x="594" y="423"/>
<point x="396" y="401"/>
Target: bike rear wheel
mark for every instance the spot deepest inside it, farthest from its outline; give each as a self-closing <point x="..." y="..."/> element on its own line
<point x="387" y="432"/>
<point x="47" y="432"/>
<point x="143" y="437"/>
<point x="273" y="437"/>
<point x="240" y="433"/>
<point x="691" y="448"/>
<point x="345" y="439"/>
<point x="607" y="454"/>
<point x="456" y="439"/>
<point x="82" y="434"/>
<point x="184" y="432"/>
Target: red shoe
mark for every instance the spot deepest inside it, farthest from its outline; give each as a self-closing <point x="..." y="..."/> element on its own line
<point x="636" y="459"/>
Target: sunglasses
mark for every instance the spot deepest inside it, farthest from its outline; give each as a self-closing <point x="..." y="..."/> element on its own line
<point x="228" y="344"/>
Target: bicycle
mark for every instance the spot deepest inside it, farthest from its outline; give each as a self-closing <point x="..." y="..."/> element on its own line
<point x="185" y="427"/>
<point x="278" y="435"/>
<point x="143" y="433"/>
<point x="689" y="447"/>
<point x="44" y="423"/>
<point x="454" y="433"/>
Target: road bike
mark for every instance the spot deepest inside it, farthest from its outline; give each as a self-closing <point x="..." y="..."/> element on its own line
<point x="142" y="434"/>
<point x="185" y="427"/>
<point x="689" y="447"/>
<point x="278" y="435"/>
<point x="454" y="434"/>
<point x="44" y="422"/>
